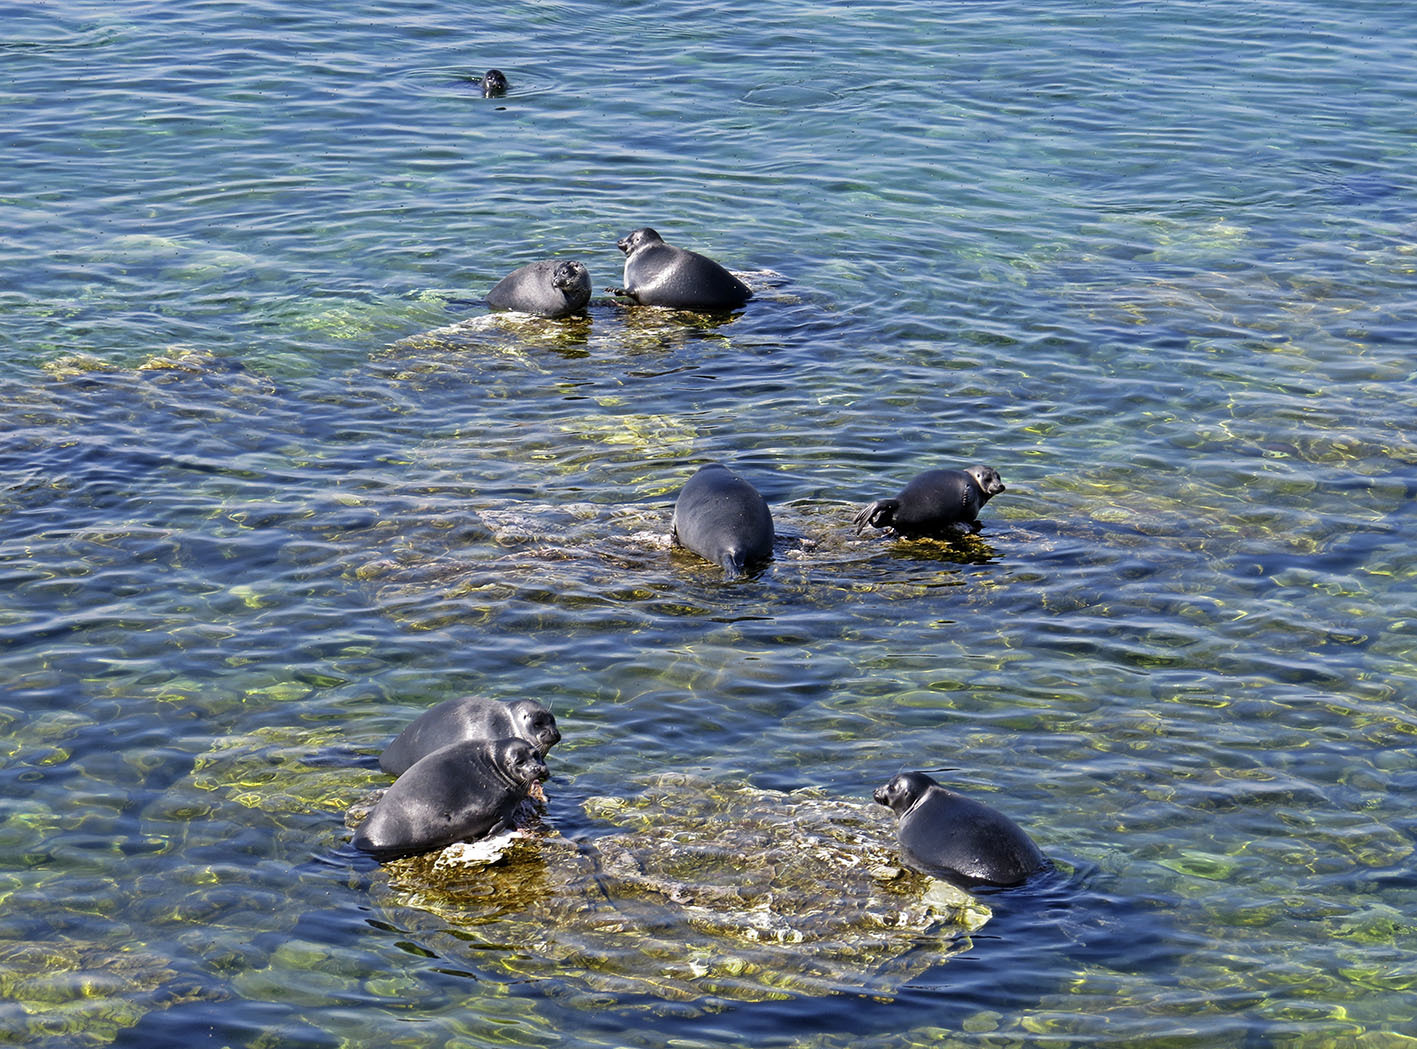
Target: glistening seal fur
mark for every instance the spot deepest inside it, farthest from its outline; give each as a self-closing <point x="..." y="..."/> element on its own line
<point x="470" y="717"/>
<point x="945" y="833"/>
<point x="659" y="274"/>
<point x="461" y="792"/>
<point x="494" y="84"/>
<point x="723" y="518"/>
<point x="934" y="503"/>
<point x="549" y="288"/>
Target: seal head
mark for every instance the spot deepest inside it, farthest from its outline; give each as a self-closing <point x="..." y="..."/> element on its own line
<point x="470" y="718"/>
<point x="724" y="519"/>
<point x="659" y="274"/>
<point x="936" y="503"/>
<point x="549" y="288"/>
<point x="945" y="833"/>
<point x="494" y="84"/>
<point x="461" y="792"/>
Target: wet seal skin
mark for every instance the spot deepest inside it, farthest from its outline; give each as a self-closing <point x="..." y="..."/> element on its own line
<point x="461" y="792"/>
<point x="945" y="833"/>
<point x="934" y="504"/>
<point x="659" y="274"/>
<point x="723" y="519"/>
<point x="494" y="84"/>
<point x="549" y="288"/>
<point x="470" y="718"/>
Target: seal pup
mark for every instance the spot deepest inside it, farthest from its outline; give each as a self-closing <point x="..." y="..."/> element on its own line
<point x="494" y="84"/>
<point x="470" y="717"/>
<point x="935" y="503"/>
<point x="460" y="792"/>
<point x="659" y="274"/>
<point x="942" y="832"/>
<point x="723" y="519"/>
<point x="549" y="288"/>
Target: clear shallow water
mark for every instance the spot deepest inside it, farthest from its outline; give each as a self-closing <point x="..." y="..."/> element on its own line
<point x="1154" y="263"/>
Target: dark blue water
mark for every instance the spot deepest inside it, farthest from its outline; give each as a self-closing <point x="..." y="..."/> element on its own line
<point x="260" y="505"/>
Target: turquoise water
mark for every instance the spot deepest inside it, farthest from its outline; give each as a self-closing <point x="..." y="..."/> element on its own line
<point x="261" y="506"/>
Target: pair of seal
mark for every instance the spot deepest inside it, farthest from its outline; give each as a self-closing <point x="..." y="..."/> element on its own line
<point x="549" y="288"/>
<point x="723" y="519"/>
<point x="459" y="792"/>
<point x="945" y="833"/>
<point x="935" y="503"/>
<point x="470" y="717"/>
<point x="659" y="274"/>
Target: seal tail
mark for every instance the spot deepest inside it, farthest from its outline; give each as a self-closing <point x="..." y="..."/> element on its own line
<point x="735" y="564"/>
<point x="880" y="514"/>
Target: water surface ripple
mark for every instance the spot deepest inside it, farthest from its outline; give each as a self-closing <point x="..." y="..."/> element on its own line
<point x="272" y="484"/>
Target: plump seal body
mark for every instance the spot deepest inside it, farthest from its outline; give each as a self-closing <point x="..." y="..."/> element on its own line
<point x="470" y="718"/>
<point x="659" y="274"/>
<point x="935" y="503"/>
<point x="945" y="833"/>
<point x="549" y="288"/>
<point x="723" y="518"/>
<point x="460" y="792"/>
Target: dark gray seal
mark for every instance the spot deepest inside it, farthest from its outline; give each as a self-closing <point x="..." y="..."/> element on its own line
<point x="494" y="84"/>
<point x="935" y="503"/>
<point x="723" y="518"/>
<point x="549" y="288"/>
<point x="659" y="274"/>
<point x="470" y="717"/>
<point x="945" y="833"/>
<point x="461" y="792"/>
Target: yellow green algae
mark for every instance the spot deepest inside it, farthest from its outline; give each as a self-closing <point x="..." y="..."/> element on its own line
<point x="698" y="893"/>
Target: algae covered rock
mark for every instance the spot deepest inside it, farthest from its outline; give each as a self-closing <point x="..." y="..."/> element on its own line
<point x="698" y="894"/>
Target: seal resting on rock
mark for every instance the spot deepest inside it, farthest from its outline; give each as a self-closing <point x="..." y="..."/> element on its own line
<point x="942" y="832"/>
<point x="460" y="792"/>
<point x="470" y="717"/>
<point x="724" y="519"/>
<point x="549" y="288"/>
<point x="935" y="503"/>
<point x="659" y="274"/>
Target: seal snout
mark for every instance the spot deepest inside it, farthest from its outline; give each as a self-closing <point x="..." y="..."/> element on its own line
<point x="880" y="795"/>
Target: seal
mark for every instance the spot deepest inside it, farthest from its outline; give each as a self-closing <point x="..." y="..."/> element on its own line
<point x="724" y="519"/>
<point x="659" y="274"/>
<point x="460" y="792"/>
<point x="935" y="503"/>
<point x="941" y="832"/>
<point x="494" y="84"/>
<point x="470" y="717"/>
<point x="549" y="288"/>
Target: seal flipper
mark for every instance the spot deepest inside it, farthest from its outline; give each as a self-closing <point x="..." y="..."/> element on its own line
<point x="735" y="563"/>
<point x="880" y="514"/>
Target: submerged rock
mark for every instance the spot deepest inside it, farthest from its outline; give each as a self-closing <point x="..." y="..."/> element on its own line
<point x="63" y="993"/>
<point x="701" y="894"/>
